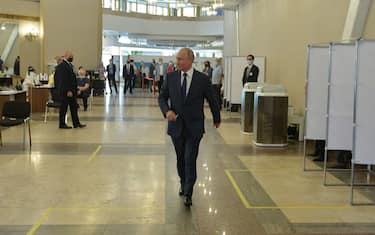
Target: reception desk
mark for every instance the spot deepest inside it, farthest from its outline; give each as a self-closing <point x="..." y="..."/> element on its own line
<point x="38" y="97"/>
<point x="11" y="95"/>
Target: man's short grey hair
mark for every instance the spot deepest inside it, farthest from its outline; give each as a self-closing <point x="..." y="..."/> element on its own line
<point x="190" y="53"/>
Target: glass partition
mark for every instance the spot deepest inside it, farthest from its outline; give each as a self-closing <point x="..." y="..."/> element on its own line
<point x="161" y="7"/>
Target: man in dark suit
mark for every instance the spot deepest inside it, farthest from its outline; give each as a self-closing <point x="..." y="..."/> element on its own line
<point x="111" y="74"/>
<point x="181" y="101"/>
<point x="250" y="74"/>
<point x="66" y="83"/>
<point x="128" y="73"/>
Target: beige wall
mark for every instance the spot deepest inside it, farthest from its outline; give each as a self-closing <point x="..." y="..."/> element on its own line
<point x="369" y="32"/>
<point x="281" y="31"/>
<point x="74" y="25"/>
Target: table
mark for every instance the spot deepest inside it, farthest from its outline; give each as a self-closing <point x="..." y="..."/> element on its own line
<point x="38" y="97"/>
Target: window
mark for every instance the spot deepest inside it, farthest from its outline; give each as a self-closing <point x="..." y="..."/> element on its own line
<point x="189" y="11"/>
<point x="162" y="8"/>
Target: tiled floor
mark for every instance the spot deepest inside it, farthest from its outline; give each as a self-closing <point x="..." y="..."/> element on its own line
<point x="118" y="176"/>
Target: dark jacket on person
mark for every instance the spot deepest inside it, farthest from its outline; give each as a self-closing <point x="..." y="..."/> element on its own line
<point x="65" y="79"/>
<point x="190" y="110"/>
<point x="251" y="76"/>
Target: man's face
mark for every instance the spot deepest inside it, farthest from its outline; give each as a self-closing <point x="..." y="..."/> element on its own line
<point x="183" y="61"/>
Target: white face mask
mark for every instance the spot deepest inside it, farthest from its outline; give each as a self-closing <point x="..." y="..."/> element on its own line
<point x="250" y="62"/>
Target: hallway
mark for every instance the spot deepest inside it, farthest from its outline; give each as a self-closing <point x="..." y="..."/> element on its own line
<point x="118" y="176"/>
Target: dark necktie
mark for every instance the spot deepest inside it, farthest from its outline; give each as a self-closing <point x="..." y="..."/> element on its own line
<point x="183" y="87"/>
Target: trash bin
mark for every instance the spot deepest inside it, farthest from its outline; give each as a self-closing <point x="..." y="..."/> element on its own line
<point x="247" y="107"/>
<point x="271" y="116"/>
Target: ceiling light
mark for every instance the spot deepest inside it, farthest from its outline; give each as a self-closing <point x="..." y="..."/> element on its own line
<point x="3" y="26"/>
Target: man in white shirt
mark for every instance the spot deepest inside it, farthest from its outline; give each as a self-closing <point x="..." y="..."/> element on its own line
<point x="217" y="81"/>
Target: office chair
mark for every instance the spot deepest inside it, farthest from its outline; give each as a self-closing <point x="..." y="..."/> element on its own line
<point x="53" y="103"/>
<point x="16" y="113"/>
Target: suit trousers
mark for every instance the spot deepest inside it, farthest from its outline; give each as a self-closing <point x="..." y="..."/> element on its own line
<point x="216" y="91"/>
<point x="187" y="148"/>
<point x="72" y="103"/>
<point x="160" y="83"/>
<point x="128" y="84"/>
<point x="112" y="80"/>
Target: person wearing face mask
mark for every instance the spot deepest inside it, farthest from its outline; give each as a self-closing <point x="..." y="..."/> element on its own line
<point x="31" y="78"/>
<point x="207" y="69"/>
<point x="251" y="71"/>
<point x="66" y="83"/>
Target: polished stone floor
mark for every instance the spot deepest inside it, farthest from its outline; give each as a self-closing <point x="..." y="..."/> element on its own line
<point x="118" y="176"/>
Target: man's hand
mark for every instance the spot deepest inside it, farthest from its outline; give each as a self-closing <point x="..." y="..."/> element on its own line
<point x="171" y="115"/>
<point x="69" y="94"/>
<point x="216" y="125"/>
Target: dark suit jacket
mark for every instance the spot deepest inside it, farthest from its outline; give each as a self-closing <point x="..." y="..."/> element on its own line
<point x="253" y="75"/>
<point x="65" y="79"/>
<point x="114" y="69"/>
<point x="190" y="111"/>
<point x="128" y="74"/>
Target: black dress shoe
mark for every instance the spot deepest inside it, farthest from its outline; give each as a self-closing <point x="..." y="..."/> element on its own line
<point x="188" y="202"/>
<point x="181" y="192"/>
<point x="80" y="126"/>
<point x="65" y="127"/>
<point x="313" y="154"/>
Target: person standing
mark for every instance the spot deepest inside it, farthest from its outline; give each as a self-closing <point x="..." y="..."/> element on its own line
<point x="217" y="81"/>
<point x="251" y="71"/>
<point x="66" y="83"/>
<point x="1" y="64"/>
<point x="111" y="75"/>
<point x="170" y="67"/>
<point x="128" y="73"/>
<point x="181" y="101"/>
<point x="16" y="66"/>
<point x="207" y="69"/>
<point x="135" y="73"/>
<point x="160" y="72"/>
<point x="151" y="72"/>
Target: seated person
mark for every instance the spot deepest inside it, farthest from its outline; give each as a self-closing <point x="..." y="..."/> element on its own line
<point x="51" y="79"/>
<point x="83" y="86"/>
<point x="31" y="78"/>
<point x="7" y="72"/>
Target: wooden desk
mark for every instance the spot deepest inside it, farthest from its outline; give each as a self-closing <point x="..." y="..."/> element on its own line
<point x="38" y="97"/>
<point x="11" y="95"/>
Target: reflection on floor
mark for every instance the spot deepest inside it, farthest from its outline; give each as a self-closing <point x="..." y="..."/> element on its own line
<point x="118" y="176"/>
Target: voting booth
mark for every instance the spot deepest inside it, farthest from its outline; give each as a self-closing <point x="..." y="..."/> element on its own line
<point x="340" y="104"/>
<point x="363" y="116"/>
<point x="316" y="95"/>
